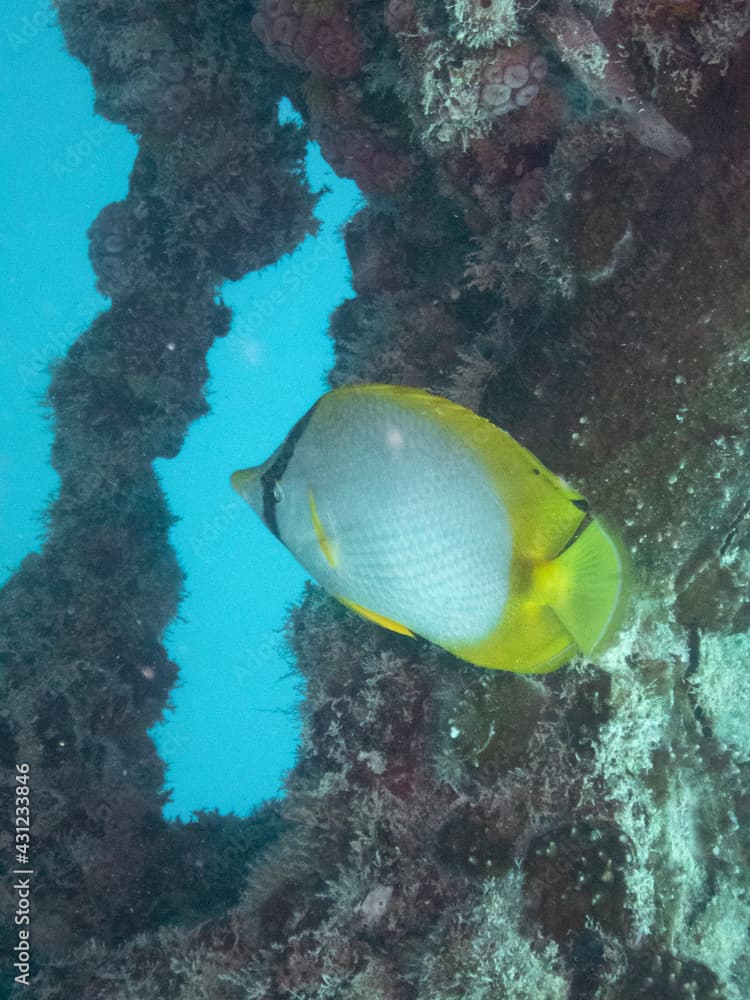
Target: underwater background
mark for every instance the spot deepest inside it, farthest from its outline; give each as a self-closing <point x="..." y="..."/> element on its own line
<point x="553" y="231"/>
<point x="237" y="717"/>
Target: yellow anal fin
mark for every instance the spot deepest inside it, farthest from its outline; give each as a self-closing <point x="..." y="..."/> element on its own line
<point x="372" y="616"/>
<point x="326" y="546"/>
<point x="531" y="639"/>
<point x="559" y="607"/>
<point x="585" y="587"/>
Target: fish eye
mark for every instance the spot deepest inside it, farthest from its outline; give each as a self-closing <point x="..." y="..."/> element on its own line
<point x="278" y="493"/>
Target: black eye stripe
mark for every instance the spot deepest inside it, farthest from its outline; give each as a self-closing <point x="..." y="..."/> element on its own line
<point x="273" y="474"/>
<point x="269" y="504"/>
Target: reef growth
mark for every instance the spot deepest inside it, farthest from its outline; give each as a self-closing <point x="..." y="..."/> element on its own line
<point x="557" y="236"/>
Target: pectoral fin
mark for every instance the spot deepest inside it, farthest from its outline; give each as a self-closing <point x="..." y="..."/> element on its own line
<point x="326" y="545"/>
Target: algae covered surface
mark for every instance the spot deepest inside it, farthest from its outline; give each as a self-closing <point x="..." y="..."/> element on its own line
<point x="556" y="234"/>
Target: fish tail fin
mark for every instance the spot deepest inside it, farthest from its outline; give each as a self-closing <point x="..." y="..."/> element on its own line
<point x="585" y="586"/>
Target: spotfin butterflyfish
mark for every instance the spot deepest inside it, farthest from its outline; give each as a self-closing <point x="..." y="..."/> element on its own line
<point x="431" y="521"/>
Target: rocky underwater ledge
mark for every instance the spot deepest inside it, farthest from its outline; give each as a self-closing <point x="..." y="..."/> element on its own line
<point x="557" y="236"/>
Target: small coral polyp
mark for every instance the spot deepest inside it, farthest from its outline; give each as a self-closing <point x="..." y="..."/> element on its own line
<point x="464" y="100"/>
<point x="512" y="79"/>
<point x="315" y="36"/>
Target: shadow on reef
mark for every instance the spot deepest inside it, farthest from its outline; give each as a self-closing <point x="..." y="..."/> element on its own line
<point x="557" y="235"/>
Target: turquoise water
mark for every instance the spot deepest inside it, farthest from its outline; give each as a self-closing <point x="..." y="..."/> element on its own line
<point x="233" y="731"/>
<point x="234" y="715"/>
<point x="60" y="164"/>
<point x="555" y="235"/>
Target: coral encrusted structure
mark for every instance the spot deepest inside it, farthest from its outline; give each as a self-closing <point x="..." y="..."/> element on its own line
<point x="557" y="234"/>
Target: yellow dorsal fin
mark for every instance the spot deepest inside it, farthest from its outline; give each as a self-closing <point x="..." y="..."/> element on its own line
<point x="543" y="509"/>
<point x="372" y="616"/>
<point x="585" y="586"/>
<point x="326" y="546"/>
